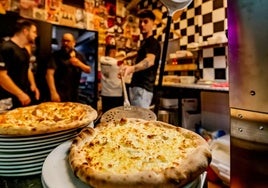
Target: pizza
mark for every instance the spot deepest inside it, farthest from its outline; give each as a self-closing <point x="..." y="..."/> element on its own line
<point x="47" y="117"/>
<point x="137" y="153"/>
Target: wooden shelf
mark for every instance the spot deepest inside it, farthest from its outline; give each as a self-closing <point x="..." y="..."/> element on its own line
<point x="183" y="67"/>
<point x="218" y="45"/>
<point x="186" y="57"/>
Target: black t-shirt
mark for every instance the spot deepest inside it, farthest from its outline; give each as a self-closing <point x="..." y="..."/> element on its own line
<point x="15" y="60"/>
<point x="146" y="78"/>
<point x="66" y="76"/>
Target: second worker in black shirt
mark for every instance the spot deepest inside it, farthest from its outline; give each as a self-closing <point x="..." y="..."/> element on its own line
<point x="64" y="71"/>
<point x="146" y="65"/>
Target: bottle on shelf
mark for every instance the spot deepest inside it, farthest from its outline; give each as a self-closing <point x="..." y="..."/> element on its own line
<point x="173" y="57"/>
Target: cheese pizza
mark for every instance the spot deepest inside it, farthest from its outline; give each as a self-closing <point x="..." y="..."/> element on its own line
<point x="47" y="117"/>
<point x="138" y="153"/>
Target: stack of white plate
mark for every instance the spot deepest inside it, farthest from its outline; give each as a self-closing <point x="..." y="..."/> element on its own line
<point x="24" y="156"/>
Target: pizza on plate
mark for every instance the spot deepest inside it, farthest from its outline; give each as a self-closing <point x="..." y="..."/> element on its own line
<point x="138" y="153"/>
<point x="47" y="117"/>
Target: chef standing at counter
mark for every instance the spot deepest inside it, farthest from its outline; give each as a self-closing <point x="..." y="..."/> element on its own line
<point x="146" y="65"/>
<point x="16" y="77"/>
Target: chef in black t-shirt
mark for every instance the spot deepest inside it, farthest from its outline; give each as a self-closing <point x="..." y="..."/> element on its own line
<point x="64" y="71"/>
<point x="146" y="65"/>
<point x="16" y="78"/>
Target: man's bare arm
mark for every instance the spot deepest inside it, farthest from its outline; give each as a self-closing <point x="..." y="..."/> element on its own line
<point x="7" y="83"/>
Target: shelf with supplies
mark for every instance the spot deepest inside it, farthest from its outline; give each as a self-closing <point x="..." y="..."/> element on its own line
<point x="181" y="67"/>
<point x="186" y="63"/>
<point x="201" y="47"/>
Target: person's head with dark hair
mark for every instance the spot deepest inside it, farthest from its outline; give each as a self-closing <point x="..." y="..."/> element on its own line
<point x="22" y="24"/>
<point x="146" y="22"/>
<point x="68" y="42"/>
<point x="146" y="14"/>
<point x="110" y="50"/>
<point x="24" y="32"/>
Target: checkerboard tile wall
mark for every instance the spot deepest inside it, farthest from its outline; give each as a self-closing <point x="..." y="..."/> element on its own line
<point x="196" y="24"/>
<point x="213" y="63"/>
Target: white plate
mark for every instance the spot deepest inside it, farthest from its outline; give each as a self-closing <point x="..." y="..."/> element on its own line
<point x="29" y="149"/>
<point x="56" y="171"/>
<point x="28" y="160"/>
<point x="16" y="171"/>
<point x="19" y="155"/>
<point x="37" y="142"/>
<point x="43" y="183"/>
<point x="31" y="165"/>
<point x="37" y="137"/>
<point x="21" y="174"/>
<point x="33" y="147"/>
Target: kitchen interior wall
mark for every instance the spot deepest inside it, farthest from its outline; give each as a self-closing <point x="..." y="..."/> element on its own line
<point x="213" y="64"/>
<point x="199" y="21"/>
<point x="211" y="17"/>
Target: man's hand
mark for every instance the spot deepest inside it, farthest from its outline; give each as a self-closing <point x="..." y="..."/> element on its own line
<point x="36" y="91"/>
<point x="24" y="99"/>
<point x="126" y="70"/>
<point x="72" y="53"/>
<point x="55" y="97"/>
<point x="75" y="61"/>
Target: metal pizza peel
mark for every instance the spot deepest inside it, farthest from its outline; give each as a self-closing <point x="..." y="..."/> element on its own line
<point x="127" y="111"/>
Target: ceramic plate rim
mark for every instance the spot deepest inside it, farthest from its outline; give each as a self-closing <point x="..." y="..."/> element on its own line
<point x="31" y="149"/>
<point x="16" y="145"/>
<point x="59" y="155"/>
<point x="8" y="171"/>
<point x="2" y="167"/>
<point x="24" y="162"/>
<point x="21" y="174"/>
<point x="34" y="137"/>
<point x="7" y="144"/>
<point x="22" y="155"/>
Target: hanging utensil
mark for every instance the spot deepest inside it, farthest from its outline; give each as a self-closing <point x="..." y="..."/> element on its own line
<point x="126" y="101"/>
<point x="172" y="6"/>
<point x="175" y="5"/>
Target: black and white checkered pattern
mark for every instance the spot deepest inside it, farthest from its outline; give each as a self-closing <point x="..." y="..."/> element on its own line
<point x="214" y="64"/>
<point x="196" y="24"/>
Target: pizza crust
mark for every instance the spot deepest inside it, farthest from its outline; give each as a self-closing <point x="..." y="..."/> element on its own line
<point x="176" y="175"/>
<point x="46" y="118"/>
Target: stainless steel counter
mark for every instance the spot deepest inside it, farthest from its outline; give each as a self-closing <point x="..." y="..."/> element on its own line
<point x="181" y="91"/>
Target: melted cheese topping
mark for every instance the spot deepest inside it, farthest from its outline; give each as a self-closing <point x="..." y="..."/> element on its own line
<point x="45" y="113"/>
<point x="132" y="147"/>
